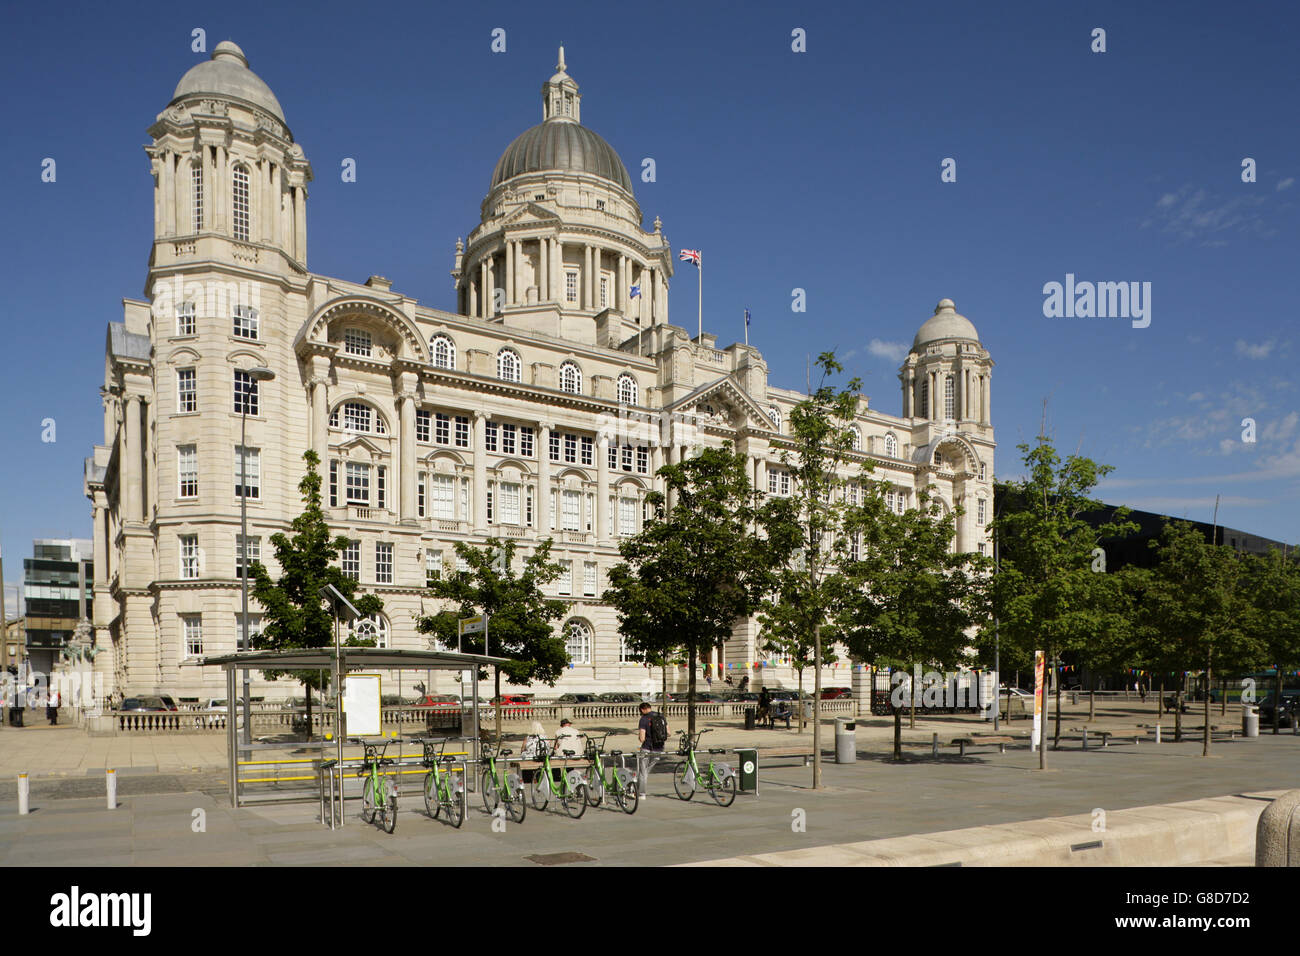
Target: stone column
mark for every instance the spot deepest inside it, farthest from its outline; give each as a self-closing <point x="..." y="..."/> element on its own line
<point x="543" y="272"/>
<point x="320" y="413"/>
<point x="587" y="281"/>
<point x="485" y="290"/>
<point x="263" y="222"/>
<point x="544" y="476"/>
<point x="936" y="399"/>
<point x="149" y="430"/>
<point x="479" y="523"/>
<point x="910" y="411"/>
<point x="557" y="271"/>
<point x="132" y="508"/>
<point x="984" y="408"/>
<point x="300" y="223"/>
<point x="603" y="533"/>
<point x="220" y="189"/>
<point x="472" y="297"/>
<point x="406" y="478"/>
<point x="168" y="193"/>
<point x="510" y="273"/>
<point x="276" y="205"/>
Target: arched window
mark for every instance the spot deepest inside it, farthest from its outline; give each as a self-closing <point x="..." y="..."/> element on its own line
<point x="891" y="446"/>
<point x="774" y="413"/>
<point x="627" y="389"/>
<point x="196" y="195"/>
<point x="938" y="457"/>
<point x="508" y="365"/>
<point x="444" y="352"/>
<point x="240" y="204"/>
<point x="570" y="378"/>
<point x="358" y="417"/>
<point x="855" y="438"/>
<point x="577" y="641"/>
<point x="372" y="628"/>
<point x="949" y="396"/>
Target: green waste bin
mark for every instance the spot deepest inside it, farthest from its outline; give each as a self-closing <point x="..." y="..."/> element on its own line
<point x="748" y="768"/>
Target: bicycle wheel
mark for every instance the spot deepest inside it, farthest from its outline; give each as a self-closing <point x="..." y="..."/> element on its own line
<point x="595" y="787"/>
<point x="575" y="801"/>
<point x="431" y="794"/>
<point x="724" y="791"/>
<point x="488" y="784"/>
<point x="368" y="800"/>
<point x="389" y="819"/>
<point x="455" y="805"/>
<point x="516" y="799"/>
<point x="683" y="780"/>
<point x="625" y="794"/>
<point x="541" y="789"/>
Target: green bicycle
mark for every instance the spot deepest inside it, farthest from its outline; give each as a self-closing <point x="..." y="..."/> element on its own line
<point x="501" y="785"/>
<point x="443" y="790"/>
<point x="717" y="778"/>
<point x="571" y="788"/>
<point x="376" y="798"/>
<point x="620" y="782"/>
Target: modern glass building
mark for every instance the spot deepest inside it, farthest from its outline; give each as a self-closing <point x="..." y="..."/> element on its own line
<point x="57" y="589"/>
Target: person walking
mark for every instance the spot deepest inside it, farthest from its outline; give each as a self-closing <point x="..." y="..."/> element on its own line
<point x="652" y="733"/>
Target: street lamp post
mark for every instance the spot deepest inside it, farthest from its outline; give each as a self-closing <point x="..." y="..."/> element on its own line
<point x="253" y="375"/>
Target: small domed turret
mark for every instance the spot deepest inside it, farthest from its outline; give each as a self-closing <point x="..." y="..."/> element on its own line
<point x="226" y="75"/>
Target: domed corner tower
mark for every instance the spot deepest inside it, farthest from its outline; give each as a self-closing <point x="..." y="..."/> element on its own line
<point x="559" y="248"/>
<point x="230" y="183"/>
<point x="946" y="389"/>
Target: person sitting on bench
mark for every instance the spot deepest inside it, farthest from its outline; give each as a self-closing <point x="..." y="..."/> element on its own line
<point x="779" y="711"/>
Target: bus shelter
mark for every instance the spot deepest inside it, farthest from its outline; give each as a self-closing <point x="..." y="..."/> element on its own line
<point x="339" y="661"/>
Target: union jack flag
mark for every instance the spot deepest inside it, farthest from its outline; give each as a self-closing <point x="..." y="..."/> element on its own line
<point x="690" y="255"/>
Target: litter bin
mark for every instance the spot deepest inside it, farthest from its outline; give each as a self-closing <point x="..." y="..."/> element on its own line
<point x="15" y="716"/>
<point x="846" y="740"/>
<point x="751" y="718"/>
<point x="1250" y="722"/>
<point x="748" y="768"/>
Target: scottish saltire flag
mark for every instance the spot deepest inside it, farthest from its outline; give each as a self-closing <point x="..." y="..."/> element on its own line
<point x="747" y="318"/>
<point x="690" y="255"/>
<point x="635" y="292"/>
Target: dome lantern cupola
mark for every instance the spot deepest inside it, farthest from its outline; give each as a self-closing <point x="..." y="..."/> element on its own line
<point x="560" y="97"/>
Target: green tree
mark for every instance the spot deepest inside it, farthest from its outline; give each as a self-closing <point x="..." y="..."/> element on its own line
<point x="1049" y="591"/>
<point x="697" y="566"/>
<point x="520" y="618"/>
<point x="294" y="615"/>
<point x="825" y="473"/>
<point x="1271" y="585"/>
<point x="910" y="598"/>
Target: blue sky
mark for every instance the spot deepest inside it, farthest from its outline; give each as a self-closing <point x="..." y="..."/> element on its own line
<point x="817" y="170"/>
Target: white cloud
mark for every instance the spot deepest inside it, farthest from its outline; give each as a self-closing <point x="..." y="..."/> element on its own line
<point x="895" y="351"/>
<point x="1201" y="216"/>
<point x="1286" y="183"/>
<point x="1260" y="351"/>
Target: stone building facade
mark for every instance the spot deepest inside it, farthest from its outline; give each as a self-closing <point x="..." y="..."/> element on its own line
<point x="541" y="407"/>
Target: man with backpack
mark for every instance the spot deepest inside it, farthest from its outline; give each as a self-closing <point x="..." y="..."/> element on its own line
<point x="652" y="732"/>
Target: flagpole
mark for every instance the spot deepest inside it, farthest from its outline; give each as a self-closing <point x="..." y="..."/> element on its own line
<point x="700" y="264"/>
<point x="745" y="314"/>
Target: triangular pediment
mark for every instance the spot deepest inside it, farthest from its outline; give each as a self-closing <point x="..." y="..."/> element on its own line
<point x="724" y="403"/>
<point x="355" y="443"/>
<point x="530" y="212"/>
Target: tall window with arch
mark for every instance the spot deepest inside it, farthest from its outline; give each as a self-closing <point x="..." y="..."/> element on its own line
<point x="372" y="628"/>
<point x="509" y="366"/>
<point x="949" y="397"/>
<point x="443" y="350"/>
<point x="577" y="641"/>
<point x="196" y="196"/>
<point x="570" y="378"/>
<point x="774" y="413"/>
<point x="891" y="446"/>
<point x="240" y="203"/>
<point x="627" y="390"/>
<point x="855" y="438"/>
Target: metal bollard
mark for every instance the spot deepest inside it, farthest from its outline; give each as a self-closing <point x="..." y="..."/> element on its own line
<point x="24" y="789"/>
<point x="110" y="776"/>
<point x="934" y="745"/>
<point x="1085" y="738"/>
<point x="1157" y="733"/>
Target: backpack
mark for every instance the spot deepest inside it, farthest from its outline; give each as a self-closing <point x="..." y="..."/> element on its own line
<point x="658" y="730"/>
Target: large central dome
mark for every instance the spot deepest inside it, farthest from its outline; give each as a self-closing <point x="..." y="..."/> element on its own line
<point x="561" y="145"/>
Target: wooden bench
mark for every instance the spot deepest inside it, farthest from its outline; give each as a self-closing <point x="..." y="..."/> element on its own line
<point x="774" y="714"/>
<point x="961" y="743"/>
<point x="1136" y="734"/>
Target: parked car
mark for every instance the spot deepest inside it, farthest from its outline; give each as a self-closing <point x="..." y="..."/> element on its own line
<point x="578" y="698"/>
<point x="436" y="701"/>
<point x="513" y="700"/>
<point x="1290" y="702"/>
<point x="618" y="697"/>
<point x="837" y="693"/>
<point x="213" y="710"/>
<point x="144" y="705"/>
<point x="168" y="701"/>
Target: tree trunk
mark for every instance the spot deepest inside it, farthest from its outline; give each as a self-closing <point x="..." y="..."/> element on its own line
<point x="1056" y="738"/>
<point x="803" y="724"/>
<point x="817" y="704"/>
<point x="912" y="683"/>
<point x="690" y="692"/>
<point x="1209" y="677"/>
<point x="898" y="735"/>
<point x="1277" y="700"/>
<point x="497" y="692"/>
<point x="1092" y="702"/>
<point x="663" y="702"/>
<point x="1178" y="708"/>
<point x="1160" y="701"/>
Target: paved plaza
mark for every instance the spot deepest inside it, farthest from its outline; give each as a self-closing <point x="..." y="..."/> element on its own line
<point x="166" y="781"/>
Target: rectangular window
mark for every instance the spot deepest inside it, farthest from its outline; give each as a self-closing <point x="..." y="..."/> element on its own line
<point x="572" y="514"/>
<point x="588" y="446"/>
<point x="591" y="510"/>
<point x="187" y="471"/>
<point x="432" y="566"/>
<point x="525" y="441"/>
<point x="381" y="487"/>
<point x="555" y="446"/>
<point x="196" y="194"/>
<point x="983" y="547"/>
<point x="350" y="560"/>
<point x="571" y="286"/>
<point x="192" y="625"/>
<point x="442" y="429"/>
<point x="642" y="459"/>
<point x="383" y="562"/>
<point x="571" y="448"/>
<point x="419" y="496"/>
<point x="442" y="492"/>
<point x="356" y="342"/>
<point x="589" y="578"/>
<point x="185" y="324"/>
<point x="462" y="431"/>
<point x="600" y="203"/>
<point x="489" y="505"/>
<point x="187" y="390"/>
<point x="626" y="516"/>
<point x="627" y="457"/>
<point x="983" y="471"/>
<point x="509" y="503"/>
<point x="245" y="393"/>
<point x="422" y="422"/>
<point x="490" y="433"/>
<point x="356" y="417"/>
<point x="554" y="496"/>
<point x="254" y="629"/>
<point x="982" y="516"/>
<point x="239" y="203"/>
<point x="248" y="469"/>
<point x="464" y="499"/>
<point x="566" y="577"/>
<point x="189" y="556"/>
<point x="462" y="566"/>
<point x="358" y="484"/>
<point x="334" y="483"/>
<point x="254" y="548"/>
<point x="245" y="322"/>
<point x="604" y="292"/>
<point x="528" y="506"/>
<point x="509" y="443"/>
<point x="613" y="457"/>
